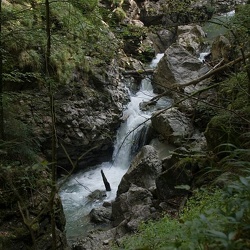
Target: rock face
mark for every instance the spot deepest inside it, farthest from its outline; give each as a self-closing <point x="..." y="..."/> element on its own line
<point x="101" y="215"/>
<point x="162" y="39"/>
<point x="221" y="49"/>
<point x="87" y="115"/>
<point x="164" y="12"/>
<point x="143" y="170"/>
<point x="190" y="37"/>
<point x="178" y="66"/>
<point x="132" y="207"/>
<point x="134" y="202"/>
<point x="172" y="125"/>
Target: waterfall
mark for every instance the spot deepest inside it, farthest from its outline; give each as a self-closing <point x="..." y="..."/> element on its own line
<point x="74" y="193"/>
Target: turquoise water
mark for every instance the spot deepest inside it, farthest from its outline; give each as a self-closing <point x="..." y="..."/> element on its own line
<point x="213" y="30"/>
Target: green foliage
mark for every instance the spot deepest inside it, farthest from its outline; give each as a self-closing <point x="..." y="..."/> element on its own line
<point x="233" y="92"/>
<point x="240" y="23"/>
<point x="23" y="186"/>
<point x="21" y="179"/>
<point x="133" y="37"/>
<point x="232" y="119"/>
<point x="203" y="114"/>
<point x="212" y="219"/>
<point x="84" y="5"/>
<point x="119" y="14"/>
<point x="77" y="32"/>
<point x="19" y="144"/>
<point x="30" y="59"/>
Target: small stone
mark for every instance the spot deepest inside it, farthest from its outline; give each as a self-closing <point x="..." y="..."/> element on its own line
<point x="106" y="204"/>
<point x="105" y="242"/>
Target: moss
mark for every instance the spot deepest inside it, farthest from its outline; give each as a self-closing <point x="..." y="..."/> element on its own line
<point x="227" y="129"/>
<point x="119" y="14"/>
<point x="77" y="31"/>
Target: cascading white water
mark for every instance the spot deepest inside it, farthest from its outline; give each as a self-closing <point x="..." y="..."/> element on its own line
<point x="74" y="193"/>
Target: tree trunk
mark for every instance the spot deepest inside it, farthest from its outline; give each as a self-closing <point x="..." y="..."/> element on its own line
<point x="53" y="129"/>
<point x="1" y="78"/>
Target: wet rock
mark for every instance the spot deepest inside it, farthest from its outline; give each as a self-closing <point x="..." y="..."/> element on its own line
<point x="97" y="195"/>
<point x="101" y="215"/>
<point x="101" y="240"/>
<point x="172" y="125"/>
<point x="143" y="170"/>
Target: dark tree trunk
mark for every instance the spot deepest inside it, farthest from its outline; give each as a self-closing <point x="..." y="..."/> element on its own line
<point x="53" y="128"/>
<point x="1" y="78"/>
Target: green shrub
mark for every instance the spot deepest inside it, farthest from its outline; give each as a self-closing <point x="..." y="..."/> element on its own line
<point x="212" y="219"/>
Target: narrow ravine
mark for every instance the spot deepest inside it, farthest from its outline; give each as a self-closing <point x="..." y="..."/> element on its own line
<point x="75" y="192"/>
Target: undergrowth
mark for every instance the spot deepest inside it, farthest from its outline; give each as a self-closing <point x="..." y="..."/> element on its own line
<point x="212" y="219"/>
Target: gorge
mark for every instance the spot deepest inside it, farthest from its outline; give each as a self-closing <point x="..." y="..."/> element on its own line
<point x="191" y="110"/>
<point x="75" y="193"/>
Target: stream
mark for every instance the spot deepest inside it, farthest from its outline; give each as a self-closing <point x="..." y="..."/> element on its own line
<point x="75" y="191"/>
<point x="213" y="30"/>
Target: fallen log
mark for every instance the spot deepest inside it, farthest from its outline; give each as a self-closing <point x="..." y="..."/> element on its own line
<point x="105" y="181"/>
<point x="138" y="72"/>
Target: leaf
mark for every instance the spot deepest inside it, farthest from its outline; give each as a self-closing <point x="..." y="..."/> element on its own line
<point x="217" y="234"/>
<point x="185" y="187"/>
<point x="231" y="235"/>
<point x="244" y="181"/>
<point x="239" y="214"/>
<point x="203" y="217"/>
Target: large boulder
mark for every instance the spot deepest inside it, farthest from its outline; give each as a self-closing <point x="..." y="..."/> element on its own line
<point x="143" y="170"/>
<point x="191" y="37"/>
<point x="132" y="207"/>
<point x="178" y="66"/>
<point x="88" y="112"/>
<point x="100" y="215"/>
<point x="221" y="49"/>
<point x="134" y="201"/>
<point x="170" y="13"/>
<point x="172" y="125"/>
<point x="162" y="39"/>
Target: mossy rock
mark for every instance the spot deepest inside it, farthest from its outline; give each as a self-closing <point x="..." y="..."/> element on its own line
<point x="227" y="129"/>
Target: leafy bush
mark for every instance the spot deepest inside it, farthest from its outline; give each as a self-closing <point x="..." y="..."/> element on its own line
<point x="212" y="219"/>
<point x="20" y="143"/>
